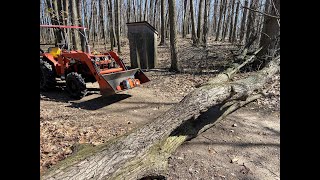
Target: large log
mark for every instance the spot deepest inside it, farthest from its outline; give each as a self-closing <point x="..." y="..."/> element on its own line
<point x="144" y="151"/>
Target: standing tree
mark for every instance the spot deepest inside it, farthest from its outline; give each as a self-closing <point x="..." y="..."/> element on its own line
<point x="109" y="4"/>
<point x="145" y="10"/>
<point x="184" y="20"/>
<point x="215" y="14"/>
<point x="199" y="28"/>
<point x="270" y="36"/>
<point x="227" y="19"/>
<point x="162" y="36"/>
<point x="234" y="34"/>
<point x="173" y="36"/>
<point x="220" y="18"/>
<point x="205" y="22"/>
<point x="81" y="23"/>
<point x="243" y="21"/>
<point x="193" y="28"/>
<point x="102" y="21"/>
<point x="134" y="10"/>
<point x="251" y="25"/>
<point x="117" y="14"/>
<point x="231" y="22"/>
<point x="128" y="11"/>
<point x="75" y="22"/>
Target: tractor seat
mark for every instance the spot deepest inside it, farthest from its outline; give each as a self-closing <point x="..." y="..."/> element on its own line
<point x="54" y="51"/>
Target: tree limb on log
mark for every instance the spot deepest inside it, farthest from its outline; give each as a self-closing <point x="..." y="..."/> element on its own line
<point x="145" y="151"/>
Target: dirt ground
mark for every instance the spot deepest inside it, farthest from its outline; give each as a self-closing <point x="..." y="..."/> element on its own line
<point x="245" y="145"/>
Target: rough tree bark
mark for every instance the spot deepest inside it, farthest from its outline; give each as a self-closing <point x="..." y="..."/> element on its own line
<point x="220" y="19"/>
<point x="215" y="13"/>
<point x="231" y="22"/>
<point x="184" y="23"/>
<point x="134" y="10"/>
<point x="155" y="13"/>
<point x="117" y="17"/>
<point x="75" y="21"/>
<point x="173" y="36"/>
<point x="193" y="28"/>
<point x="145" y="151"/>
<point x="66" y="21"/>
<point x="102" y="21"/>
<point x="140" y="10"/>
<point x="109" y="5"/>
<point x="54" y="15"/>
<point x="226" y="20"/>
<point x="80" y="6"/>
<point x="271" y="29"/>
<point x="162" y="35"/>
<point x="151" y="13"/>
<point x="199" y="27"/>
<point x="128" y="11"/>
<point x="251" y="26"/>
<point x="234" y="31"/>
<point x="145" y="10"/>
<point x="205" y="22"/>
<point x="243" y="21"/>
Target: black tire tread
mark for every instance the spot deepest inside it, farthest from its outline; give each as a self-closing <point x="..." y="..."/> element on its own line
<point x="49" y="76"/>
<point x="81" y="85"/>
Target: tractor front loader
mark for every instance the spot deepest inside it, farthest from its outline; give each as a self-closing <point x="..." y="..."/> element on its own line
<point x="78" y="67"/>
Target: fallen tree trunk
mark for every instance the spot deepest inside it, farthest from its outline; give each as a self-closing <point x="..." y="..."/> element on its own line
<point x="144" y="152"/>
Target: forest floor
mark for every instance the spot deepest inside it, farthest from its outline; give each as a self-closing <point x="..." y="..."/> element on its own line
<point x="245" y="145"/>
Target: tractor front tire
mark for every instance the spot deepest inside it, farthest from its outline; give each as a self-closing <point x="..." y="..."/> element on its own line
<point x="75" y="85"/>
<point x="47" y="77"/>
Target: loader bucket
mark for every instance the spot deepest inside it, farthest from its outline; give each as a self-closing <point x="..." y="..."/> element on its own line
<point x="115" y="79"/>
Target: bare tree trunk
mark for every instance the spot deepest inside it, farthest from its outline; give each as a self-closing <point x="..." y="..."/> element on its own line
<point x="81" y="23"/>
<point x="215" y="14"/>
<point x="140" y="11"/>
<point x="162" y="36"/>
<point x="146" y="150"/>
<point x="231" y="23"/>
<point x="205" y="22"/>
<point x="234" y="31"/>
<point x="155" y="14"/>
<point x="145" y="10"/>
<point x="75" y="22"/>
<point x="173" y="36"/>
<point x="243" y="22"/>
<point x="193" y="28"/>
<point x="55" y="20"/>
<point x="199" y="27"/>
<point x="184" y="23"/>
<point x="65" y="22"/>
<point x="102" y="20"/>
<point x="128" y="11"/>
<point x="134" y="10"/>
<point x="94" y="23"/>
<point x="227" y="20"/>
<point x="167" y="24"/>
<point x="260" y="21"/>
<point x="117" y="17"/>
<point x="270" y="36"/>
<point x="86" y="16"/>
<point x="220" y="19"/>
<point x="151" y="13"/>
<point x="109" y="5"/>
<point x="251" y="26"/>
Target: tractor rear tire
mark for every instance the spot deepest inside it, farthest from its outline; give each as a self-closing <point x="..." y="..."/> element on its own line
<point x="75" y="85"/>
<point x="47" y="76"/>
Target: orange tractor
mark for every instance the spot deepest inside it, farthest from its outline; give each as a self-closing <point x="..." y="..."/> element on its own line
<point x="77" y="68"/>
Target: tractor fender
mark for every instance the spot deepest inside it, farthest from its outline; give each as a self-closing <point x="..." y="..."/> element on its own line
<point x="50" y="58"/>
